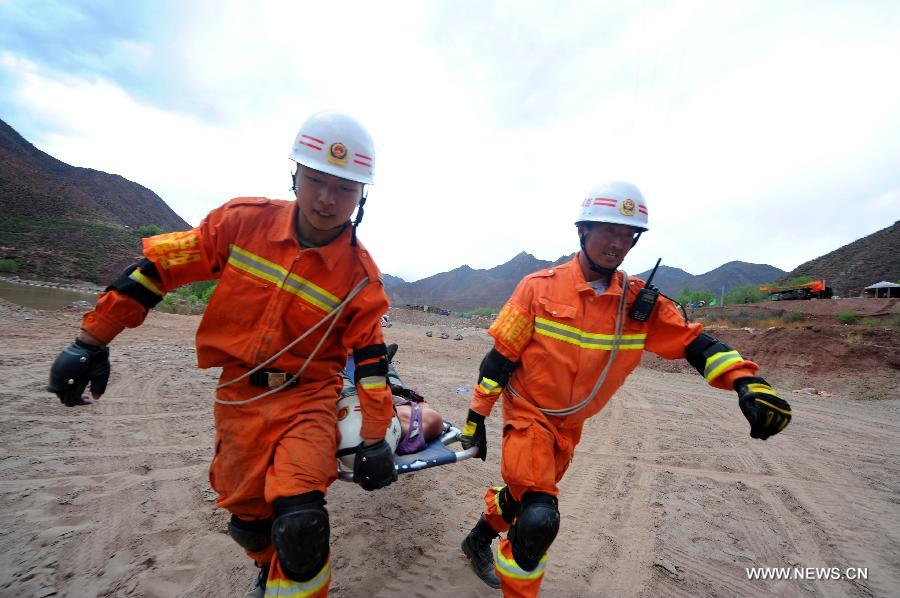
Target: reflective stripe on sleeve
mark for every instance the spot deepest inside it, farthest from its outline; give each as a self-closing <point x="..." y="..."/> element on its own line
<point x="145" y="282"/>
<point x="718" y="362"/>
<point x="373" y="382"/>
<point x="489" y="387"/>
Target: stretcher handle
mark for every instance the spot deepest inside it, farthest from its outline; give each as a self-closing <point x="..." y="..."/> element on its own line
<point x="450" y="436"/>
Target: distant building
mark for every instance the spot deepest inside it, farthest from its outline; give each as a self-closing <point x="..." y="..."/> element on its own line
<point x="882" y="289"/>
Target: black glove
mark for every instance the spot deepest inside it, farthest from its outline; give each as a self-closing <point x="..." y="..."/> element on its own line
<point x="78" y="364"/>
<point x="767" y="413"/>
<point x="473" y="434"/>
<point x="373" y="467"/>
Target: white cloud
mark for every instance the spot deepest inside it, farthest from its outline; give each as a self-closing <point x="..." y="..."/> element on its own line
<point x="741" y="123"/>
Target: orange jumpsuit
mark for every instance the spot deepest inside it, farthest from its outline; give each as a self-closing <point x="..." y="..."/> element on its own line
<point x="561" y="333"/>
<point x="270" y="292"/>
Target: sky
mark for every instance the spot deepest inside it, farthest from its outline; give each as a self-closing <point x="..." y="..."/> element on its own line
<point x="760" y="131"/>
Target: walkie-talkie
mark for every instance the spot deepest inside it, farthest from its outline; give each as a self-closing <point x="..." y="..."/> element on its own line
<point x="646" y="298"/>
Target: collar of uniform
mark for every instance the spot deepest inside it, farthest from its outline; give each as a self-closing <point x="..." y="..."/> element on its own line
<point x="581" y="284"/>
<point x="284" y="229"/>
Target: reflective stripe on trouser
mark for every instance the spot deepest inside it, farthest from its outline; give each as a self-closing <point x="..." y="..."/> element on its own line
<point x="278" y="585"/>
<point x="515" y="581"/>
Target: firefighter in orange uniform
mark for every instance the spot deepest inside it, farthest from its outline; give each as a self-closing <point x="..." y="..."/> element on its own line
<point x="563" y="344"/>
<point x="296" y="292"/>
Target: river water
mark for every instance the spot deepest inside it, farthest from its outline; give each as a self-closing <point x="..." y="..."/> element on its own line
<point x="37" y="297"/>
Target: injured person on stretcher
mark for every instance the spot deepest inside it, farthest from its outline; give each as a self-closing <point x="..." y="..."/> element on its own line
<point x="415" y="424"/>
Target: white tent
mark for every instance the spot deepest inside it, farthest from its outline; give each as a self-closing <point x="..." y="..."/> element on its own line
<point x="883" y="289"/>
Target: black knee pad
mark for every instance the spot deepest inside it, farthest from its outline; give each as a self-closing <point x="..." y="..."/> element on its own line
<point x="535" y="529"/>
<point x="251" y="535"/>
<point x="509" y="506"/>
<point x="300" y="533"/>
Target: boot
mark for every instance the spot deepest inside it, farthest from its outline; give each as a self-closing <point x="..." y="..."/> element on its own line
<point x="477" y="548"/>
<point x="259" y="588"/>
<point x="391" y="351"/>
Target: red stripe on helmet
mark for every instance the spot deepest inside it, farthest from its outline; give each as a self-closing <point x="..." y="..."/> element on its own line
<point x="315" y="147"/>
<point x="365" y="157"/>
<point x="313" y="138"/>
<point x="363" y="163"/>
<point x="604" y="201"/>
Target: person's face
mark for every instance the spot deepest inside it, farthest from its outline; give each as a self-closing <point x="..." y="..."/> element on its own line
<point x="326" y="202"/>
<point x="608" y="244"/>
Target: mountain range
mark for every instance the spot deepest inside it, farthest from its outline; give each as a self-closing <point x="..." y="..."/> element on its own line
<point x="465" y="288"/>
<point x="59" y="221"/>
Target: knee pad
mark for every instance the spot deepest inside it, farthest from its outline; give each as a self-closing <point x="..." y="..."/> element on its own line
<point x="509" y="506"/>
<point x="250" y="535"/>
<point x="535" y="529"/>
<point x="300" y="532"/>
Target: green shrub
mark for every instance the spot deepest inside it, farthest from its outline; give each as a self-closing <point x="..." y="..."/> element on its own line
<point x="871" y="322"/>
<point x="8" y="266"/>
<point x="792" y="316"/>
<point x="745" y="293"/>
<point x="148" y="230"/>
<point x="895" y="321"/>
<point x="847" y="317"/>
<point x="189" y="299"/>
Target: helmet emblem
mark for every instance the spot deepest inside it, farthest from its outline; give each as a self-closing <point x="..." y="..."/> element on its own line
<point x="627" y="207"/>
<point x="343" y="412"/>
<point x="337" y="153"/>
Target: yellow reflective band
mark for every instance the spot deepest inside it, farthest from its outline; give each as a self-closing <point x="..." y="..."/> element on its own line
<point x="497" y="491"/>
<point x="756" y="387"/>
<point x="288" y="588"/>
<point x="771" y="406"/>
<point x="588" y="340"/>
<point x="263" y="268"/>
<point x="716" y="364"/>
<point x="508" y="568"/>
<point x="145" y="282"/>
<point x="488" y="386"/>
<point x="372" y="382"/>
<point x="469" y="429"/>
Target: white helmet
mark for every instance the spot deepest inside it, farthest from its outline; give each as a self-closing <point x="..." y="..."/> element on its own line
<point x="349" y="424"/>
<point x="334" y="143"/>
<point x="616" y="202"/>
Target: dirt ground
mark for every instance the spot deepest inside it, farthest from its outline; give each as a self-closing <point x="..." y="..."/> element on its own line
<point x="668" y="495"/>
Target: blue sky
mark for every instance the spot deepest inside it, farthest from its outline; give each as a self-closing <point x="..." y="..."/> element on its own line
<point x="760" y="131"/>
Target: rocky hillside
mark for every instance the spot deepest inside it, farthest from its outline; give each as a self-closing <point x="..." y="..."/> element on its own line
<point x="851" y="268"/>
<point x="59" y="221"/>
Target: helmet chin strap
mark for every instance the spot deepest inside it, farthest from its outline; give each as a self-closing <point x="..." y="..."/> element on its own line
<point x="359" y="212"/>
<point x="598" y="268"/>
<point x="607" y="272"/>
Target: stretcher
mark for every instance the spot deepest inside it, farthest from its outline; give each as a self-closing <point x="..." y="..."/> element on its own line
<point x="436" y="453"/>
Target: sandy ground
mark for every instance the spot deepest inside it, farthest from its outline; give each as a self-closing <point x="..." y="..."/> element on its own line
<point x="668" y="495"/>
